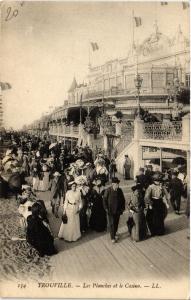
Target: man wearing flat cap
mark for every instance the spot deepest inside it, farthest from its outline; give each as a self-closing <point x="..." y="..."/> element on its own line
<point x="114" y="204"/>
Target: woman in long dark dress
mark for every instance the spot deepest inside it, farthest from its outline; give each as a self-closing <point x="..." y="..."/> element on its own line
<point x="3" y="187"/>
<point x="38" y="232"/>
<point x="136" y="221"/>
<point x="156" y="198"/>
<point x="98" y="219"/>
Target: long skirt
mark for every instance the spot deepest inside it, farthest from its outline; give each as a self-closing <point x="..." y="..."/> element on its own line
<point x="71" y="231"/>
<point x="137" y="226"/>
<point x="155" y="217"/>
<point x="127" y="172"/>
<point x="44" y="183"/>
<point x="83" y="219"/>
<point x="3" y="188"/>
<point x="36" y="183"/>
<point x="98" y="219"/>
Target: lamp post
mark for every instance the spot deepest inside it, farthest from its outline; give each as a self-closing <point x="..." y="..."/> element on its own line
<point x="138" y="82"/>
<point x="176" y="89"/>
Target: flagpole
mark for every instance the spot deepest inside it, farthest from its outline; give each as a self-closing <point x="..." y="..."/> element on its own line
<point x="133" y="28"/>
<point x="89" y="54"/>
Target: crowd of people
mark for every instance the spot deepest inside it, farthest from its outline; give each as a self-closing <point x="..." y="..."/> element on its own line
<point x="83" y="192"/>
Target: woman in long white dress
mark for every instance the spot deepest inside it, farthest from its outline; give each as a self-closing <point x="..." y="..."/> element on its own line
<point x="71" y="231"/>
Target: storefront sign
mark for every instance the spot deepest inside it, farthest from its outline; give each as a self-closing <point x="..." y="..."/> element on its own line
<point x="154" y="153"/>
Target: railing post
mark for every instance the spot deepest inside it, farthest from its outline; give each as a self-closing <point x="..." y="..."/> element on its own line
<point x="186" y="128"/>
<point x="138" y="129"/>
<point x="105" y="143"/>
<point x="118" y="127"/>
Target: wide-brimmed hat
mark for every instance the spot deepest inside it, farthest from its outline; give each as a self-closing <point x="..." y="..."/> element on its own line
<point x="157" y="176"/>
<point x="71" y="183"/>
<point x="79" y="163"/>
<point x="26" y="187"/>
<point x="8" y="152"/>
<point x="88" y="164"/>
<point x="56" y="174"/>
<point x="97" y="181"/>
<point x="115" y="180"/>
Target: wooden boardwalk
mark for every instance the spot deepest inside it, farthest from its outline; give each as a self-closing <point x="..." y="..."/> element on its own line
<point x="94" y="257"/>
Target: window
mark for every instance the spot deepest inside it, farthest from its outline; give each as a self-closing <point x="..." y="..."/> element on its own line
<point x="106" y="84"/>
<point x="129" y="81"/>
<point x="112" y="82"/>
<point x="109" y="68"/>
<point x="145" y="77"/>
<point x="99" y="85"/>
<point x="158" y="80"/>
<point x="187" y="81"/>
<point x="169" y="78"/>
<point x="119" y="82"/>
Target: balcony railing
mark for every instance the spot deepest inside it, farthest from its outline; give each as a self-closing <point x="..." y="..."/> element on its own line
<point x="64" y="130"/>
<point x="123" y="92"/>
<point x="163" y="131"/>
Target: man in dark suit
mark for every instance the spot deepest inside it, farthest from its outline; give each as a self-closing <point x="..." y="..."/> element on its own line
<point x="141" y="180"/>
<point x="114" y="204"/>
<point x="57" y="191"/>
<point x="176" y="190"/>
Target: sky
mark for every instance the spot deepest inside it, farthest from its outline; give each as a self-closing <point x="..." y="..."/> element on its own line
<point x="45" y="44"/>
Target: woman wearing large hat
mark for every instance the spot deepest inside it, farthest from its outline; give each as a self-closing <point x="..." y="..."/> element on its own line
<point x="72" y="206"/>
<point x="156" y="198"/>
<point x="98" y="219"/>
<point x="136" y="221"/>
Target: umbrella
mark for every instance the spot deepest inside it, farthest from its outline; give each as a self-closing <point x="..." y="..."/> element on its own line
<point x="80" y="163"/>
<point x="52" y="145"/>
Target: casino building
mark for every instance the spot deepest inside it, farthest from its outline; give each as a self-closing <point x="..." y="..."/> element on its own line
<point x="109" y="107"/>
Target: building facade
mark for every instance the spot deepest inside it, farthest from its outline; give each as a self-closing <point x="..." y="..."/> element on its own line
<point x="101" y="112"/>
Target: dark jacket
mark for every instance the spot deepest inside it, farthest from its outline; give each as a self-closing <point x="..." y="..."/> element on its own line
<point x="114" y="201"/>
<point x="176" y="187"/>
<point x="15" y="180"/>
<point x="58" y="187"/>
<point x="142" y="180"/>
<point x="39" y="236"/>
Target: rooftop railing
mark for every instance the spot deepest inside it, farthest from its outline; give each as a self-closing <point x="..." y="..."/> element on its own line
<point x="163" y="131"/>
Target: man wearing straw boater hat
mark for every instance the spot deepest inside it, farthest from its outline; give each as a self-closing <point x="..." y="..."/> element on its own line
<point x="114" y="204"/>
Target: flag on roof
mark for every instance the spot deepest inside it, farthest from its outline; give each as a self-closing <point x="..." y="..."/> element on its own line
<point x="94" y="46"/>
<point x="185" y="5"/>
<point x="138" y="21"/>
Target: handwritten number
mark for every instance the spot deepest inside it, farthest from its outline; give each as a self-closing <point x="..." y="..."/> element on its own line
<point x="8" y="13"/>
<point x="11" y="13"/>
<point x="15" y="13"/>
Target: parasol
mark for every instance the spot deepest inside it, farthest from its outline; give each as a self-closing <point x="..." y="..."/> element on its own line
<point x="52" y="145"/>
